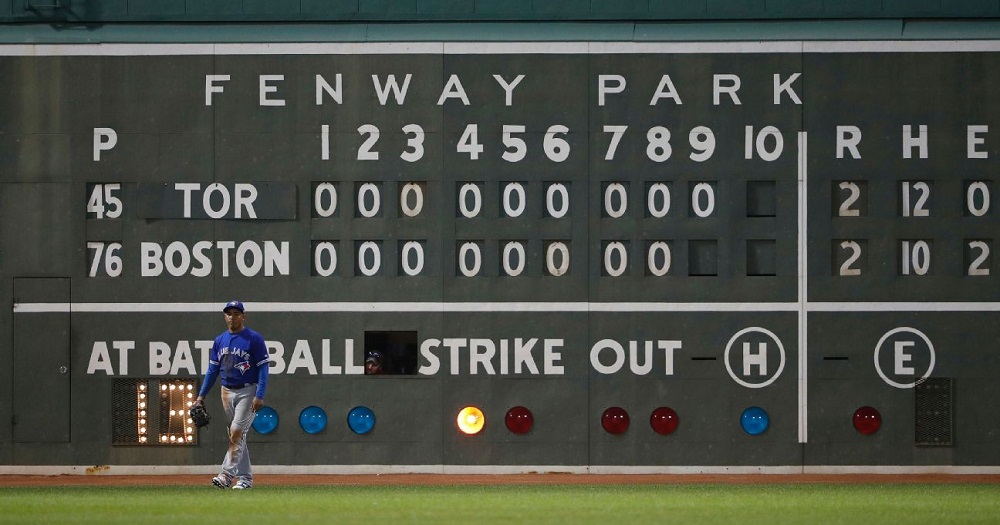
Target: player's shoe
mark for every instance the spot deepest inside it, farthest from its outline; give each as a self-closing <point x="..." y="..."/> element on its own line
<point x="243" y="484"/>
<point x="223" y="481"/>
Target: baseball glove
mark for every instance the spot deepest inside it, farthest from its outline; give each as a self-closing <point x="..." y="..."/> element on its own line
<point x="199" y="414"/>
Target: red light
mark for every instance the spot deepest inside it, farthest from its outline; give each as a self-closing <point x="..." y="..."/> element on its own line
<point x="519" y="420"/>
<point x="867" y="420"/>
<point x="615" y="420"/>
<point x="664" y="420"/>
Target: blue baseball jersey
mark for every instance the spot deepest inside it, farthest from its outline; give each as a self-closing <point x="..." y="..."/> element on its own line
<point x="240" y="358"/>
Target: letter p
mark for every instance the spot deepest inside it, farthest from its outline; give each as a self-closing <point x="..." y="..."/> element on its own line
<point x="104" y="140"/>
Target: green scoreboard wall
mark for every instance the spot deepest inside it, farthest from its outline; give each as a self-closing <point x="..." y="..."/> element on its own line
<point x="783" y="254"/>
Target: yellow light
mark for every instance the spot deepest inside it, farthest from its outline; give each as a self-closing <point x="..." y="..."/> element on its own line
<point x="471" y="420"/>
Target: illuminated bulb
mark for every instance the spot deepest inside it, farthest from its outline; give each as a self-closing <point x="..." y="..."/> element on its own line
<point x="173" y="412"/>
<point x="190" y="438"/>
<point x="163" y="387"/>
<point x="142" y="396"/>
<point x="190" y="404"/>
<point x="470" y="420"/>
<point x="142" y="430"/>
<point x="173" y="387"/>
<point x="190" y="387"/>
<point x="190" y="430"/>
<point x="163" y="438"/>
<point x="142" y="439"/>
<point x="142" y="421"/>
<point x="190" y="395"/>
<point x="142" y="404"/>
<point x="142" y="387"/>
<point x="142" y="413"/>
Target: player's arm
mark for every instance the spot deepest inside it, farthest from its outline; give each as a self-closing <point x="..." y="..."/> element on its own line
<point x="262" y="361"/>
<point x="210" y="375"/>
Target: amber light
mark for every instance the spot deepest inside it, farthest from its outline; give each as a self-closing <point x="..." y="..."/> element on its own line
<point x="471" y="420"/>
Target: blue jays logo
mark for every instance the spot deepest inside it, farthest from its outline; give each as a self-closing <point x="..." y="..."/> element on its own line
<point x="243" y="367"/>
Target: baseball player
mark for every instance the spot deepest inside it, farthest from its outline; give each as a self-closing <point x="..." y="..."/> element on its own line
<point x="240" y="357"/>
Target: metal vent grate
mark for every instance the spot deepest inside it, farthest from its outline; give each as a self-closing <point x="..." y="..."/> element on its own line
<point x="932" y="407"/>
<point x="124" y="411"/>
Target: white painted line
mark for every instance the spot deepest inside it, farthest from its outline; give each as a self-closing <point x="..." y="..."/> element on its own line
<point x="902" y="46"/>
<point x="400" y="307"/>
<point x="209" y="470"/>
<point x="497" y="48"/>
<point x="904" y="307"/>
<point x="511" y="307"/>
<point x="803" y="179"/>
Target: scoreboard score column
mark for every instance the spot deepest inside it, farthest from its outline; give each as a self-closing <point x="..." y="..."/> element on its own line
<point x="902" y="228"/>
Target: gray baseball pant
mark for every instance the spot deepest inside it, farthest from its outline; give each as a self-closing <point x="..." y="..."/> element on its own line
<point x="238" y="404"/>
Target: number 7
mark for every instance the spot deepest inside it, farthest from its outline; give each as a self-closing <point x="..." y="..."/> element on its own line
<point x="616" y="137"/>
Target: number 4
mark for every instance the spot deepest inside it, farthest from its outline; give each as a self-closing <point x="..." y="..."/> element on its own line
<point x="469" y="142"/>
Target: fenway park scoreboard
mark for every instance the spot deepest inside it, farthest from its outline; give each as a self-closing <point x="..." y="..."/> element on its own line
<point x="621" y="255"/>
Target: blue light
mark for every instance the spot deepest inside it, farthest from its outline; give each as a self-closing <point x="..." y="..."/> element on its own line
<point x="361" y="420"/>
<point x="754" y="421"/>
<point x="312" y="420"/>
<point x="265" y="421"/>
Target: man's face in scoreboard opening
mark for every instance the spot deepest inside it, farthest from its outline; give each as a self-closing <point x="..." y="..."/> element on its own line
<point x="234" y="319"/>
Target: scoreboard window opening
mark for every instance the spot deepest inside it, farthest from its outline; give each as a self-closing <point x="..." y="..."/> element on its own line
<point x="850" y="198"/>
<point x="977" y="256"/>
<point x="395" y="352"/>
<point x="703" y="258"/>
<point x="977" y="198"/>
<point x="850" y="257"/>
<point x="762" y="258"/>
<point x="761" y="199"/>
<point x="153" y="412"/>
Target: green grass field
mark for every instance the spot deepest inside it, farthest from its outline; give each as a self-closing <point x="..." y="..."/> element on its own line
<point x="859" y="504"/>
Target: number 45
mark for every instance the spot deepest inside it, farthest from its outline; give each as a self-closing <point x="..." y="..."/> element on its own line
<point x="104" y="202"/>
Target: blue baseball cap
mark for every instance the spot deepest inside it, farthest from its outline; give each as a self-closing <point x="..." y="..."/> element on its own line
<point x="233" y="304"/>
